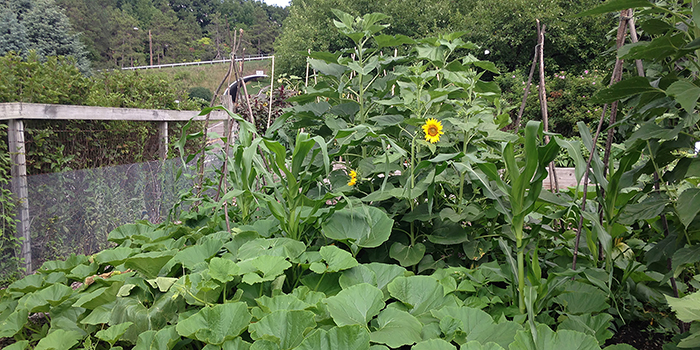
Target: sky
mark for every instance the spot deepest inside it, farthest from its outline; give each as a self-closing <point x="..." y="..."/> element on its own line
<point x="281" y="3"/>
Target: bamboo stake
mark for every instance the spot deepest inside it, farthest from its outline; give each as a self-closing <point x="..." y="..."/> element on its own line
<point x="527" y="87"/>
<point x="272" y="92"/>
<point x="553" y="182"/>
<point x="200" y="176"/>
<point x="664" y="221"/>
<point x="617" y="72"/>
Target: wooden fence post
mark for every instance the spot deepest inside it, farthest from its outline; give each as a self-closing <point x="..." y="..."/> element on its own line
<point x="163" y="140"/>
<point x="18" y="171"/>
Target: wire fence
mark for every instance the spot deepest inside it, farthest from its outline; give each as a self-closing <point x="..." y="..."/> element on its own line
<point x="199" y="63"/>
<point x="72" y="212"/>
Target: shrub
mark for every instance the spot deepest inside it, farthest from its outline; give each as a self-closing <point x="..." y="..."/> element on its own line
<point x="568" y="98"/>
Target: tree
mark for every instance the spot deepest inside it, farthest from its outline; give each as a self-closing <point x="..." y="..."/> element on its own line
<point x="220" y="33"/>
<point x="47" y="30"/>
<point x="13" y="35"/>
<point x="94" y="19"/>
<point x="173" y="40"/>
<point x="309" y="26"/>
<point x="126" y="43"/>
<point x="506" y="28"/>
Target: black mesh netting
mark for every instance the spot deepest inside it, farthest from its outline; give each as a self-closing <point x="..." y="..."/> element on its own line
<point x="73" y="211"/>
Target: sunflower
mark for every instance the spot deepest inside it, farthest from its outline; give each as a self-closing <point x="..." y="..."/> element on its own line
<point x="353" y="178"/>
<point x="433" y="130"/>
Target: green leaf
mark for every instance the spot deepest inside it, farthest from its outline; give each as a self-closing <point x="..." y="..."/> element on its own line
<point x="223" y="270"/>
<point x="687" y="255"/>
<point x="693" y="340"/>
<point x="351" y="337"/>
<point x="112" y="334"/>
<point x="42" y="300"/>
<point x="162" y="283"/>
<point x="356" y="275"/>
<point x="549" y="340"/>
<point x="615" y="5"/>
<point x="27" y="284"/>
<point x="327" y="68"/>
<point x="475" y="345"/>
<point x="164" y="339"/>
<point x="385" y="272"/>
<point x="334" y="260"/>
<point x="263" y="268"/>
<point x="287" y="328"/>
<point x="656" y="49"/>
<point x="596" y="326"/>
<point x="396" y="328"/>
<point x="626" y="88"/>
<point x="479" y="326"/>
<point x="387" y="120"/>
<point x="99" y="315"/>
<point x="283" y="247"/>
<point x="20" y="345"/>
<point x="124" y="232"/>
<point x="59" y="340"/>
<point x="355" y="305"/>
<point x="149" y="264"/>
<point x="281" y="302"/>
<point x="13" y="323"/>
<point x="115" y="256"/>
<point x="581" y="298"/>
<point x="162" y="311"/>
<point x="434" y="344"/>
<point x="236" y="344"/>
<point x="685" y="93"/>
<point x="99" y="296"/>
<point x="363" y="226"/>
<point x="407" y="255"/>
<point x="420" y="294"/>
<point x="264" y="344"/>
<point x="687" y="308"/>
<point x="688" y="205"/>
<point x="198" y="253"/>
<point x="215" y="325"/>
<point x="650" y="208"/>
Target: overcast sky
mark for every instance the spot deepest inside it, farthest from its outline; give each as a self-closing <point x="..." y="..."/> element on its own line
<point x="281" y="3"/>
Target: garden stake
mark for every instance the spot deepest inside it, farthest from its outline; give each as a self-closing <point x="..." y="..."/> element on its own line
<point x="200" y="175"/>
<point x="664" y="222"/>
<point x="617" y="72"/>
<point x="527" y="88"/>
<point x="553" y="182"/>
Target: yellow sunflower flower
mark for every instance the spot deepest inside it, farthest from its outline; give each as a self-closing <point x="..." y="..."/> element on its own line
<point x="353" y="178"/>
<point x="433" y="130"/>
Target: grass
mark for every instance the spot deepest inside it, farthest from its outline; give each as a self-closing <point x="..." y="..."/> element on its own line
<point x="210" y="75"/>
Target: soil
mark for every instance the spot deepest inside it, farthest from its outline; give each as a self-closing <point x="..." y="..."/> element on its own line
<point x="635" y="334"/>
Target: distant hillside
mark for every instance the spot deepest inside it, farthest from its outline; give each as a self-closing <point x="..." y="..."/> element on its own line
<point x="125" y="33"/>
<point x="209" y="76"/>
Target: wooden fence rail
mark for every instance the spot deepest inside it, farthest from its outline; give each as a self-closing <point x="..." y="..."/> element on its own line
<point x="16" y="112"/>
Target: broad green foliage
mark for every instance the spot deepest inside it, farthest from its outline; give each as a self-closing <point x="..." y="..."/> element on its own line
<point x="506" y="28"/>
<point x="401" y="216"/>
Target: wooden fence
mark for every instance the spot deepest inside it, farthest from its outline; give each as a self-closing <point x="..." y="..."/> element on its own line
<point x="16" y="112"/>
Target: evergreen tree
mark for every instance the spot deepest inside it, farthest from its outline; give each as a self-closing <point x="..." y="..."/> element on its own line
<point x="126" y="42"/>
<point x="13" y="35"/>
<point x="47" y="30"/>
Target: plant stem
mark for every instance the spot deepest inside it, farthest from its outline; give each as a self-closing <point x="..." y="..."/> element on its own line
<point x="518" y="227"/>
